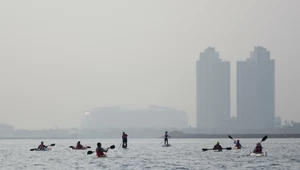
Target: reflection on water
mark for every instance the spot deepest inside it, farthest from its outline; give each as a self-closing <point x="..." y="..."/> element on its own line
<point x="149" y="154"/>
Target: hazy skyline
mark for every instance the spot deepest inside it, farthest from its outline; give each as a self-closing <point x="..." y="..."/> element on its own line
<point x="61" y="58"/>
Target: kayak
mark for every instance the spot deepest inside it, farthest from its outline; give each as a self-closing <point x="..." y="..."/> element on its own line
<point x="257" y="154"/>
<point x="168" y="145"/>
<point x="74" y="148"/>
<point x="46" y="149"/>
<point x="102" y="156"/>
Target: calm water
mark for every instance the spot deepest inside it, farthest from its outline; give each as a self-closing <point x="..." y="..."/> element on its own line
<point x="149" y="154"/>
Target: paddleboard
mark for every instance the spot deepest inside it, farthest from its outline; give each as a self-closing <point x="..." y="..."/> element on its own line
<point x="257" y="154"/>
<point x="169" y="145"/>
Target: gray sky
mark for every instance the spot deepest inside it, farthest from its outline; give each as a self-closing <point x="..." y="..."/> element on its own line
<point x="60" y="58"/>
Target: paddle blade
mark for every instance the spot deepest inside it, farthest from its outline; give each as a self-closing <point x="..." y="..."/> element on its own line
<point x="112" y="147"/>
<point x="53" y="144"/>
<point x="33" y="149"/>
<point x="204" y="149"/>
<point x="264" y="138"/>
<point x="229" y="148"/>
<point x="71" y="147"/>
<point x="88" y="147"/>
<point x="230" y="137"/>
<point x="89" y="152"/>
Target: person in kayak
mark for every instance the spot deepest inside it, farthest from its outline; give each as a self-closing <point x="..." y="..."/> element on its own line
<point x="166" y="136"/>
<point x="124" y="140"/>
<point x="237" y="144"/>
<point x="100" y="151"/>
<point x="217" y="146"/>
<point x="79" y="146"/>
<point x="42" y="146"/>
<point x="258" y="148"/>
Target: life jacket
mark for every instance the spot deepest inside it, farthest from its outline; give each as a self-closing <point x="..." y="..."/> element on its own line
<point x="99" y="152"/>
<point x="124" y="136"/>
<point x="41" y="147"/>
<point x="258" y="149"/>
<point x="217" y="147"/>
<point x="238" y="145"/>
<point x="78" y="146"/>
<point x="166" y="136"/>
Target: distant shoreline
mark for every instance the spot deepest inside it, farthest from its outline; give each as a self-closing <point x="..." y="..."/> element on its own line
<point x="182" y="135"/>
<point x="173" y="135"/>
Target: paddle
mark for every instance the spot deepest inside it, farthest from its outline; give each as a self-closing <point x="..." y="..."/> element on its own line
<point x="111" y="147"/>
<point x="231" y="137"/>
<point x="76" y="148"/>
<point x="204" y="149"/>
<point x="264" y="138"/>
<point x="234" y="140"/>
<point x="164" y="140"/>
<point x="120" y="145"/>
<point x="34" y="149"/>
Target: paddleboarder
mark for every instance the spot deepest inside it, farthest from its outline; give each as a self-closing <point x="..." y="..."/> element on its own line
<point x="124" y="140"/>
<point x="166" y="136"/>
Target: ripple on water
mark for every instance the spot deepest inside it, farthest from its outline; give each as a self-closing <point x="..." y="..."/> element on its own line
<point x="148" y="154"/>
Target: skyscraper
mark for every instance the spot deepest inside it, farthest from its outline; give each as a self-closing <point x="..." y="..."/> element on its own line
<point x="256" y="90"/>
<point x="213" y="91"/>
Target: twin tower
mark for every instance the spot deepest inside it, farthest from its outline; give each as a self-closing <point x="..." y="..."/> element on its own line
<point x="255" y="93"/>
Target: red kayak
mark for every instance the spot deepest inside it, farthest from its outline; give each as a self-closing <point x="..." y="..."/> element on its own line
<point x="101" y="156"/>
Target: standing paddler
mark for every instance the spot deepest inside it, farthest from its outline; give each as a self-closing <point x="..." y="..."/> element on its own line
<point x="124" y="140"/>
<point x="166" y="136"/>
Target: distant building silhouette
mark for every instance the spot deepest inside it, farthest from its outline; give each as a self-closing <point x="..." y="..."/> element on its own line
<point x="256" y="91"/>
<point x="213" y="91"/>
<point x="278" y="123"/>
<point x="152" y="117"/>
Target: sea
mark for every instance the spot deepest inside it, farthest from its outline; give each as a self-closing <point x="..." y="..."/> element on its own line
<point x="282" y="153"/>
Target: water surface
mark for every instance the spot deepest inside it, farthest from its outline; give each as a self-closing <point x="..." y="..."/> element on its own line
<point x="149" y="154"/>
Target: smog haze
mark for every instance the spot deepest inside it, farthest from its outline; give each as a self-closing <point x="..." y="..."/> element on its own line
<point x="62" y="58"/>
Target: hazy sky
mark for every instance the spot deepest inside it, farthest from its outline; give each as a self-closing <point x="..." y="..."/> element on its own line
<point x="60" y="58"/>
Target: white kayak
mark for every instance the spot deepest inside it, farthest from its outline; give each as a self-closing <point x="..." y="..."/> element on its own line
<point x="257" y="154"/>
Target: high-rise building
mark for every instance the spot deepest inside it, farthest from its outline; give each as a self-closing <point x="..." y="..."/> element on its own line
<point x="213" y="91"/>
<point x="256" y="91"/>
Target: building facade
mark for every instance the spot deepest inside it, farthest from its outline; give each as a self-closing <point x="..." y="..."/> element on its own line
<point x="256" y="91"/>
<point x="151" y="117"/>
<point x="213" y="91"/>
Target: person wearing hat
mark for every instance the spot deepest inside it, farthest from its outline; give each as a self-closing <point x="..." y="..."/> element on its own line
<point x="217" y="146"/>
